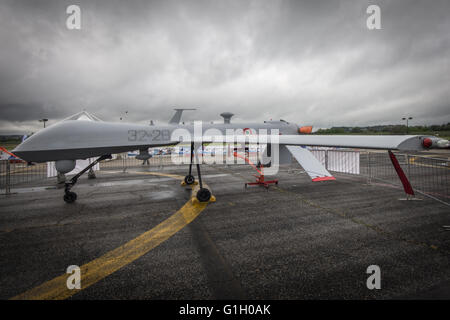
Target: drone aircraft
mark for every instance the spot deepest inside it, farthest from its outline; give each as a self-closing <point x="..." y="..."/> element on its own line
<point x="69" y="140"/>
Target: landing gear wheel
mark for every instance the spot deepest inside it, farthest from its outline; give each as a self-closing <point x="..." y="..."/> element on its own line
<point x="203" y="195"/>
<point x="189" y="179"/>
<point x="70" y="197"/>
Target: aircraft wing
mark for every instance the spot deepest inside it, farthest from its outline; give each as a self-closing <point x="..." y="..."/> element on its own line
<point x="391" y="142"/>
<point x="384" y="142"/>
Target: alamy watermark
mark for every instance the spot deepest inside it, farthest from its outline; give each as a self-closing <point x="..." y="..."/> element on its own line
<point x="74" y="280"/>
<point x="73" y="21"/>
<point x="374" y="280"/>
<point x="235" y="140"/>
<point x="374" y="20"/>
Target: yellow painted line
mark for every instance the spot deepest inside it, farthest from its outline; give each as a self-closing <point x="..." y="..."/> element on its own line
<point x="96" y="270"/>
<point x="431" y="166"/>
<point x="413" y="162"/>
<point x="435" y="156"/>
<point x="175" y="176"/>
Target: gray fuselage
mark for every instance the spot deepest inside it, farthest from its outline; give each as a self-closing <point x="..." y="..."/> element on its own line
<point x="79" y="139"/>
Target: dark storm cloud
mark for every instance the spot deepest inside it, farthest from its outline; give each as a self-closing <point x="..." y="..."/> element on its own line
<point x="26" y="112"/>
<point x="305" y="61"/>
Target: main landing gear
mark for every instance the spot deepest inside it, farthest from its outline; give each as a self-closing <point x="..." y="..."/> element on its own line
<point x="203" y="195"/>
<point x="70" y="196"/>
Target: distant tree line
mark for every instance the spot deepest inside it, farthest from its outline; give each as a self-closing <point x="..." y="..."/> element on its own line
<point x="387" y="129"/>
<point x="10" y="137"/>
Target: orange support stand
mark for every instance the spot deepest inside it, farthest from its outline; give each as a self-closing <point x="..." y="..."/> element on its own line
<point x="260" y="181"/>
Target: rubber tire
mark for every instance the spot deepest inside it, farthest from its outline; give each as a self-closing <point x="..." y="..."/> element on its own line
<point x="189" y="179"/>
<point x="203" y="195"/>
<point x="70" y="197"/>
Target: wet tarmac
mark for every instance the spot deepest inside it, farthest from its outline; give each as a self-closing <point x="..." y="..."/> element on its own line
<point x="297" y="240"/>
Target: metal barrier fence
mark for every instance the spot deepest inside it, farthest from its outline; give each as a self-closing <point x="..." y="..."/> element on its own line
<point x="17" y="173"/>
<point x="123" y="162"/>
<point x="428" y="176"/>
<point x="345" y="161"/>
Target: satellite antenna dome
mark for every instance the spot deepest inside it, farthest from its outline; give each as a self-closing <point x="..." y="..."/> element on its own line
<point x="226" y="116"/>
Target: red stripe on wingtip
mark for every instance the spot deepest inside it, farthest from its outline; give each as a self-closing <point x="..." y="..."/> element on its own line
<point x="324" y="178"/>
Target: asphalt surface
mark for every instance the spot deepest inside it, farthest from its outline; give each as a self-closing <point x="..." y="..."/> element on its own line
<point x="298" y="240"/>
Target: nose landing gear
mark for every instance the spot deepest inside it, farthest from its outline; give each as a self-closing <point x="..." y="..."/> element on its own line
<point x="71" y="197"/>
<point x="203" y="194"/>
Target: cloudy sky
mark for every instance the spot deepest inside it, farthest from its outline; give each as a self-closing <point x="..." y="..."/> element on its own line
<point x="309" y="62"/>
